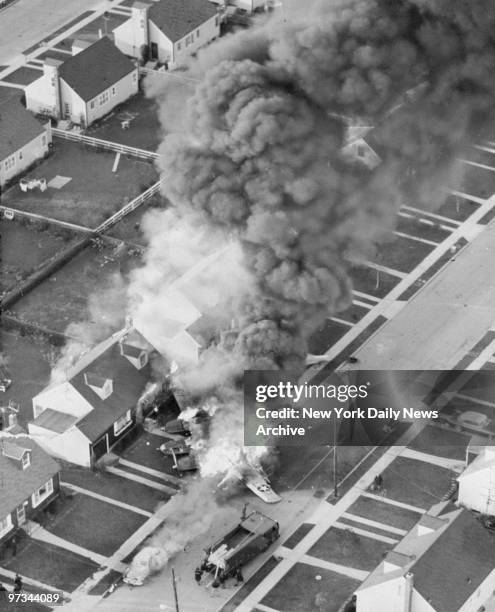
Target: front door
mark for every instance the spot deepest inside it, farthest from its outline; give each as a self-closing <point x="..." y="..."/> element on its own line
<point x="21" y="515"/>
<point x="154" y="51"/>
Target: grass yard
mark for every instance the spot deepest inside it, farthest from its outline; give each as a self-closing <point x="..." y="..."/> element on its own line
<point x="26" y="244"/>
<point x="441" y="442"/>
<point x="144" y="132"/>
<point x="301" y="591"/>
<point x="369" y="281"/>
<point x="28" y="365"/>
<point x="144" y="450"/>
<point x="94" y="524"/>
<point x="55" y="566"/>
<point x="481" y="385"/>
<point x="416" y="483"/>
<point x="414" y="227"/>
<point x="326" y="336"/>
<point x="477" y="181"/>
<point x="129" y="228"/>
<point x="23" y="76"/>
<point x="64" y="297"/>
<point x="402" y="254"/>
<point x="299" y="534"/>
<point x="457" y="208"/>
<point x="353" y="314"/>
<point x="395" y="516"/>
<point x="94" y="192"/>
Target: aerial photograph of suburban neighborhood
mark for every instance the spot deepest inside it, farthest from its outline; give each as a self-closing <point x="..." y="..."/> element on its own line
<point x="247" y="276"/>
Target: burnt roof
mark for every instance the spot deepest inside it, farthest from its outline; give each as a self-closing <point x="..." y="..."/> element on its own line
<point x="95" y="69"/>
<point x="176" y="18"/>
<point x="18" y="127"/>
<point x="16" y="484"/>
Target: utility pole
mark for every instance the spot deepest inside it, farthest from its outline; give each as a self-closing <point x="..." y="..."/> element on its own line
<point x="335" y="483"/>
<point x="174" y="584"/>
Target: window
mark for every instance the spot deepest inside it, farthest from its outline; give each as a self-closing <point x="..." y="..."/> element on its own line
<point x="134" y="76"/>
<point x="360" y="151"/>
<point x="197" y="33"/>
<point x="92" y="104"/>
<point x="122" y="423"/>
<point x="10" y="162"/>
<point x="26" y="460"/>
<point x="67" y="109"/>
<point x="42" y="493"/>
<point x="104" y="97"/>
<point x="143" y="359"/>
<point x="216" y="21"/>
<point x="20" y="154"/>
<point x="178" y="46"/>
<point x="5" y="525"/>
<point x="114" y="91"/>
<point x="43" y="139"/>
<point x="37" y="411"/>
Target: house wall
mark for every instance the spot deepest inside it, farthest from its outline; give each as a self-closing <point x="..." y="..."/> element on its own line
<point x="131" y="35"/>
<point x="360" y="150"/>
<point x="183" y="348"/>
<point x="24" y="157"/>
<point x="481" y="595"/>
<point x="118" y="93"/>
<point x="165" y="46"/>
<point x="188" y="45"/>
<point x="42" y="95"/>
<point x="72" y="106"/>
<point x="477" y="490"/>
<point x="30" y="511"/>
<point x="64" y="398"/>
<point x="71" y="446"/>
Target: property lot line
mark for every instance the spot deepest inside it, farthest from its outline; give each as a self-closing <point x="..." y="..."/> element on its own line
<point x="151" y="471"/>
<point x="393" y="502"/>
<point x="72" y="226"/>
<point x="363" y="304"/>
<point x="427" y="214"/>
<point x="32" y="582"/>
<point x="475" y="400"/>
<point x="409" y="280"/>
<point x="42" y="535"/>
<point x="341" y="321"/>
<point x="468" y="196"/>
<point x="489" y="149"/>
<point x="335" y="567"/>
<point x="449" y="464"/>
<point x="370" y="523"/>
<point x="264" y="608"/>
<point x="477" y="165"/>
<point x="107" y="500"/>
<point x="365" y="533"/>
<point x="409" y="237"/>
<point x="366" y="296"/>
<point x="385" y="269"/>
<point x="140" y="479"/>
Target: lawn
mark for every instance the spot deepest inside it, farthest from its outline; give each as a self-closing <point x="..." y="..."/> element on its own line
<point x="55" y="566"/>
<point x="26" y="245"/>
<point x="441" y="442"/>
<point x="28" y="365"/>
<point x="129" y="228"/>
<point x="95" y="525"/>
<point x="402" y="254"/>
<point x="299" y="534"/>
<point x="94" y="191"/>
<point x="414" y="227"/>
<point x="23" y="76"/>
<point x="369" y="281"/>
<point x="144" y="451"/>
<point x="384" y="513"/>
<point x="353" y="314"/>
<point x="477" y="181"/>
<point x="115" y="487"/>
<point x="144" y="130"/>
<point x="326" y="336"/>
<point x="481" y="385"/>
<point x="65" y="296"/>
<point x="347" y="548"/>
<point x="290" y="596"/>
<point x="457" y="208"/>
<point x="416" y="482"/>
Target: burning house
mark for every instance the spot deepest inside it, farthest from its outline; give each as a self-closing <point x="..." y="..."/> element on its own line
<point x="104" y="394"/>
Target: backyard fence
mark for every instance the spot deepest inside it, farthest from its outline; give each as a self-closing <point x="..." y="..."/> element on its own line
<point x="104" y="144"/>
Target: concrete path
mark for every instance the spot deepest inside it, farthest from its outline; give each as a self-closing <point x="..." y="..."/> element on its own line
<point x="150" y="471"/>
<point x="367" y="534"/>
<point x="393" y="502"/>
<point x="361" y="519"/>
<point x="33" y="583"/>
<point x="450" y="464"/>
<point x="146" y="481"/>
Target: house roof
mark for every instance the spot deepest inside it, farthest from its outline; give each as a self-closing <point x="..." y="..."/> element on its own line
<point x="55" y="421"/>
<point x="131" y="351"/>
<point x="16" y="484"/>
<point x="13" y="450"/>
<point x="456" y="564"/>
<point x="176" y="18"/>
<point x="18" y="127"/>
<point x="484" y="460"/>
<point x="128" y="385"/>
<point x="95" y="69"/>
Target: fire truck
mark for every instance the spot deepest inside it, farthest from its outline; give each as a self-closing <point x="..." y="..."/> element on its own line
<point x="249" y="538"/>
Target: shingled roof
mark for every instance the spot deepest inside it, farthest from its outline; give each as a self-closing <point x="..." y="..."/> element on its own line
<point x="95" y="69"/>
<point x="177" y="18"/>
<point x="18" y="126"/>
<point x="16" y="484"/>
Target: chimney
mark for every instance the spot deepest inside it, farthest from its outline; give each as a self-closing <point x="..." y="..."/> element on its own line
<point x="50" y="71"/>
<point x="139" y="20"/>
<point x="128" y="323"/>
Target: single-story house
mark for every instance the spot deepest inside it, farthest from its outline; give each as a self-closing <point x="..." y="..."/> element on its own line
<point x="29" y="481"/>
<point x="86" y="86"/>
<point x="445" y="563"/>
<point x="23" y="139"/>
<point x="477" y="483"/>
<point x="168" y="30"/>
<point x="98" y="404"/>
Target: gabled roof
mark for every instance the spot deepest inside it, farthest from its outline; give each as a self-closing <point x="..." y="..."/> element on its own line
<point x="94" y="380"/>
<point x="484" y="460"/>
<point x="131" y="351"/>
<point x="18" y="485"/>
<point x="18" y="127"/>
<point x="55" y="421"/>
<point x="177" y="18"/>
<point x="12" y="450"/>
<point x="95" y="69"/>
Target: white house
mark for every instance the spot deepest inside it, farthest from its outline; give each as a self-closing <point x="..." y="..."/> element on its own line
<point x="170" y="30"/>
<point x="477" y="483"/>
<point x="445" y="563"/>
<point x="86" y="86"/>
<point x="83" y="417"/>
<point x="246" y="5"/>
<point x="23" y="139"/>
